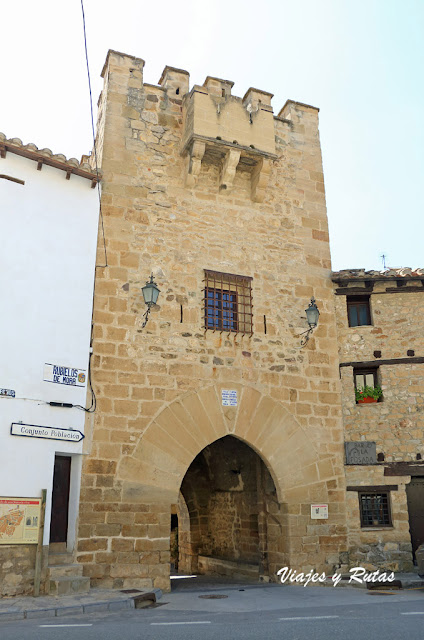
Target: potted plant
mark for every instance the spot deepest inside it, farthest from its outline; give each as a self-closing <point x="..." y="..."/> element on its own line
<point x="368" y="394"/>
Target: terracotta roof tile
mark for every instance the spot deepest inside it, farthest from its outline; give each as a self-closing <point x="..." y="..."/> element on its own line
<point x="361" y="274"/>
<point x="46" y="156"/>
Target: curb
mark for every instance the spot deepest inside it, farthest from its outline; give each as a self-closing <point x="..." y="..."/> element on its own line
<point x="90" y="607"/>
<point x="144" y="600"/>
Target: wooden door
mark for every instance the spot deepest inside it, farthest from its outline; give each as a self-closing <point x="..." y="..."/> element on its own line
<point x="415" y="497"/>
<point x="60" y="499"/>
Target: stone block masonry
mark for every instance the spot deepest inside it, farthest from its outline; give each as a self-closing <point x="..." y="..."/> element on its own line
<point x="17" y="569"/>
<point x="197" y="180"/>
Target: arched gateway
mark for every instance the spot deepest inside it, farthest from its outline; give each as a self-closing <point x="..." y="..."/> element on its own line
<point x="148" y="483"/>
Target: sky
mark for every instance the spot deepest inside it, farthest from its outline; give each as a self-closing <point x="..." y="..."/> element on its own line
<point x="360" y="61"/>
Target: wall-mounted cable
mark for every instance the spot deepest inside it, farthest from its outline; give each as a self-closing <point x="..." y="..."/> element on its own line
<point x="94" y="138"/>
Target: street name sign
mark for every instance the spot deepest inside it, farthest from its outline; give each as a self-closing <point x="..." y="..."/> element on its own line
<point x="49" y="433"/>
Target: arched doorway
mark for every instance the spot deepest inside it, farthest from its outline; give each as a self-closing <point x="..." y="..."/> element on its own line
<point x="230" y="516"/>
<point x="305" y="468"/>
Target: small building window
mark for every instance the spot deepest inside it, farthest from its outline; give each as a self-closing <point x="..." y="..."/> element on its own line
<point x="358" y="310"/>
<point x="228" y="302"/>
<point x="375" y="509"/>
<point x="365" y="378"/>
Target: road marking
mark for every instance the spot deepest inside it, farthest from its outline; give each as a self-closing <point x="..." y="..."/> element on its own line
<point x="310" y="618"/>
<point x="412" y="613"/>
<point x="65" y="625"/>
<point x="193" y="622"/>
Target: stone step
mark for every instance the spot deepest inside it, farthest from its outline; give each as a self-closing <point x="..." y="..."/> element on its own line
<point x="62" y="570"/>
<point x="57" y="547"/>
<point x="56" y="559"/>
<point x="69" y="585"/>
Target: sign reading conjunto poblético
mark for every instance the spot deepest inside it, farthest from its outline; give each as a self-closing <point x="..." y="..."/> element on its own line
<point x="50" y="433"/>
<point x="64" y="375"/>
<point x="19" y="520"/>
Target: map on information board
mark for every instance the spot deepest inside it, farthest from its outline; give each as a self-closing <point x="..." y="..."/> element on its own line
<point x="19" y="520"/>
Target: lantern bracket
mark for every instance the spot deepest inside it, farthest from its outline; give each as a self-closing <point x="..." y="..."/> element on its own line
<point x="312" y="315"/>
<point x="150" y="293"/>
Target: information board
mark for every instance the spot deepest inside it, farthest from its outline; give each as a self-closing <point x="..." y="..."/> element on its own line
<point x="19" y="520"/>
<point x="319" y="511"/>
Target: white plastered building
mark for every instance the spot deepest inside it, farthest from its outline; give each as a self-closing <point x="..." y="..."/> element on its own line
<point x="49" y="209"/>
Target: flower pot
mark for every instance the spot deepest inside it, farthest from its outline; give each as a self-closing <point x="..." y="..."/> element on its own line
<point x="366" y="400"/>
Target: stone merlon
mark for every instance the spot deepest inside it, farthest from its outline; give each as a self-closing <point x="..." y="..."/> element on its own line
<point x="236" y="134"/>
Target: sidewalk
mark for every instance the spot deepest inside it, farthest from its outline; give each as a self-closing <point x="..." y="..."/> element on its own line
<point x="402" y="581"/>
<point x="97" y="600"/>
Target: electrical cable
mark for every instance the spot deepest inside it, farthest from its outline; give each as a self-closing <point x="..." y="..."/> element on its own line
<point x="66" y="405"/>
<point x="94" y="138"/>
<point x="93" y="406"/>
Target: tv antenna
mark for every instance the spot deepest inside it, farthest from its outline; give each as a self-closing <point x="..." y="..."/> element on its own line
<point x="383" y="258"/>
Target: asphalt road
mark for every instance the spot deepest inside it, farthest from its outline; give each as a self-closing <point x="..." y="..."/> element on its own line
<point x="289" y="613"/>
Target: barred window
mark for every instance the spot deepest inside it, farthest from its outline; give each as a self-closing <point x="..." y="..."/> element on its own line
<point x="228" y="302"/>
<point x="375" y="509"/>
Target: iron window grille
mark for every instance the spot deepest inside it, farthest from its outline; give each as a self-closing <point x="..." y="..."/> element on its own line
<point x="228" y="302"/>
<point x="358" y="311"/>
<point x="375" y="509"/>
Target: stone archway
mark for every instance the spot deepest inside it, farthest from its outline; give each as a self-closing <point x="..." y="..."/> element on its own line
<point x="187" y="425"/>
<point x="232" y="510"/>
<point x="151" y="477"/>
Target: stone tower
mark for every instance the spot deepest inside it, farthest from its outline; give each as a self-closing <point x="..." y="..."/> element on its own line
<point x="211" y="413"/>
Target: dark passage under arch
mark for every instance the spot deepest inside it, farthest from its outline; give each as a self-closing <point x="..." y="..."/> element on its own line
<point x="227" y="505"/>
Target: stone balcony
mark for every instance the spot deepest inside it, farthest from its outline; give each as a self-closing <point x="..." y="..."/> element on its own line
<point x="233" y="133"/>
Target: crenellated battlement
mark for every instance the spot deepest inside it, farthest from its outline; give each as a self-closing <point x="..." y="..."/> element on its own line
<point x="176" y="81"/>
<point x="214" y="127"/>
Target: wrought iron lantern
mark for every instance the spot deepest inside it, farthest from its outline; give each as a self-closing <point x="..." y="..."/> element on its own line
<point x="312" y="315"/>
<point x="150" y="294"/>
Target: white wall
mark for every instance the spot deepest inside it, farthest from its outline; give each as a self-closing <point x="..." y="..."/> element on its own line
<point x="48" y="249"/>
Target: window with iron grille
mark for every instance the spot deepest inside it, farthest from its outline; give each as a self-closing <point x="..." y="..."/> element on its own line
<point x="228" y="302"/>
<point x="358" y="310"/>
<point x="375" y="509"/>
